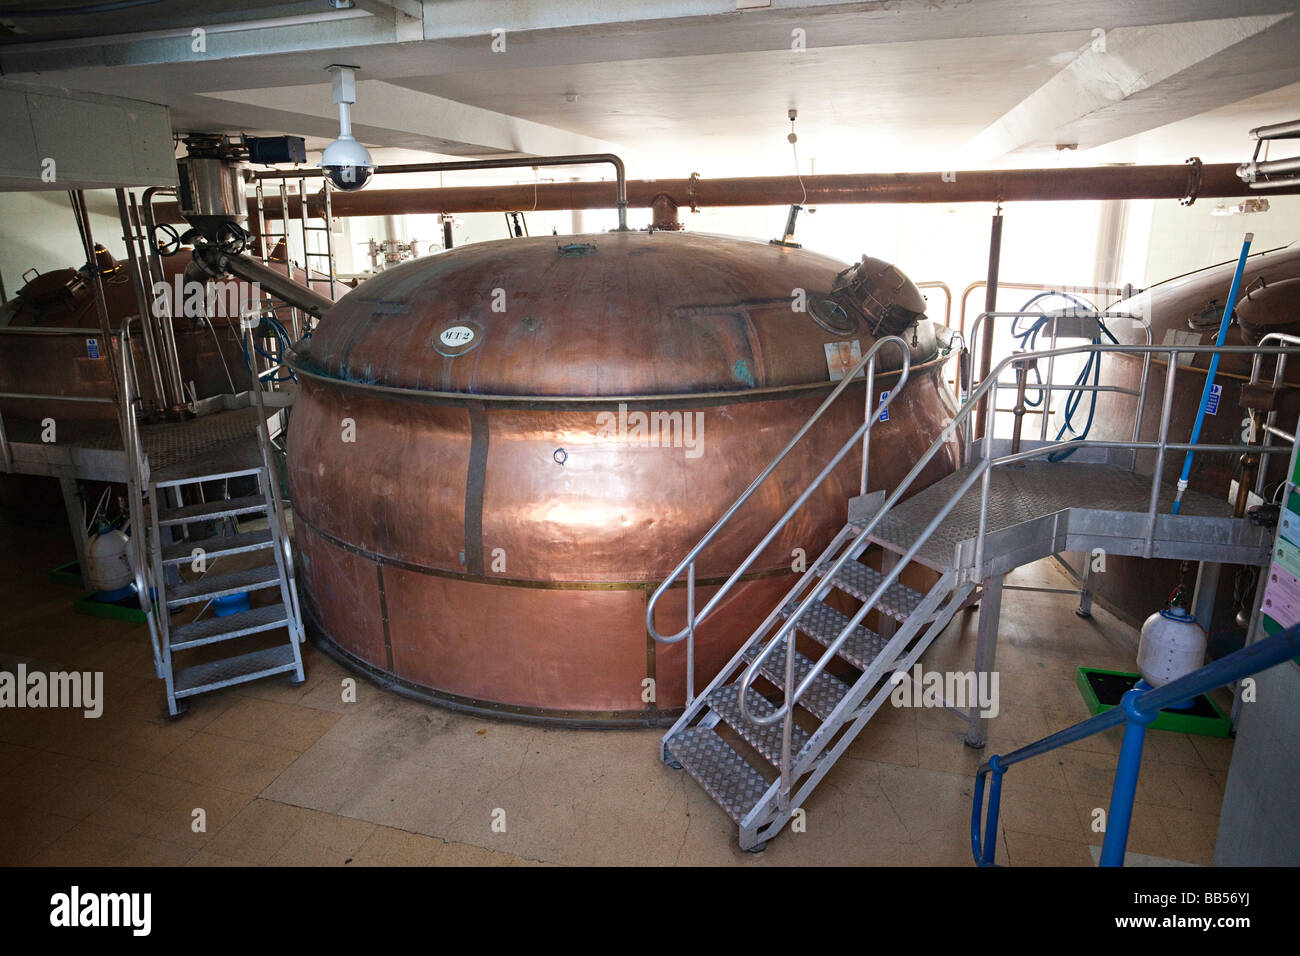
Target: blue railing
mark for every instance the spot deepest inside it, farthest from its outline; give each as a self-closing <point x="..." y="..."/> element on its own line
<point x="1139" y="707"/>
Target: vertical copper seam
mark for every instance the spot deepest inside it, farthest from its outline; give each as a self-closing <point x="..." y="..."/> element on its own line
<point x="475" y="479"/>
<point x="383" y="615"/>
<point x="652" y="705"/>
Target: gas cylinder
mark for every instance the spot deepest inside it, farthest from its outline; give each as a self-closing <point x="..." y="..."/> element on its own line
<point x="108" y="568"/>
<point x="1172" y="646"/>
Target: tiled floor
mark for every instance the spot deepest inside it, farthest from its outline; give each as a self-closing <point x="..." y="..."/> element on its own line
<point x="285" y="775"/>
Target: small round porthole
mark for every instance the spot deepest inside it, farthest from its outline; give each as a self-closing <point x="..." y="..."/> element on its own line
<point x="831" y="316"/>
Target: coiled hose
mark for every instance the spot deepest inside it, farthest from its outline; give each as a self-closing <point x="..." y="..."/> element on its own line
<point x="282" y="337"/>
<point x="1091" y="369"/>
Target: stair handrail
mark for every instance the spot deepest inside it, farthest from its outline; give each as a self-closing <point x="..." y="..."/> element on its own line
<point x="135" y="465"/>
<point x="1137" y="708"/>
<point x="966" y="361"/>
<point x="687" y="564"/>
<point x="982" y="471"/>
<point x="264" y="447"/>
<point x="1270" y="429"/>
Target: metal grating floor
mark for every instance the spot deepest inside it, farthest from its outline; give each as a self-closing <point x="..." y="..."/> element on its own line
<point x="1024" y="491"/>
<point x="222" y="441"/>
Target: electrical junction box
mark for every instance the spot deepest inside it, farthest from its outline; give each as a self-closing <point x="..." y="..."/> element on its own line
<point x="269" y="150"/>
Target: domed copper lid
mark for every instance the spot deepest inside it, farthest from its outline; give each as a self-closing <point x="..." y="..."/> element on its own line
<point x="599" y="316"/>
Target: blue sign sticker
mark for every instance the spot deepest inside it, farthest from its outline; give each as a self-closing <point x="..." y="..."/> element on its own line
<point x="1212" y="405"/>
<point x="92" y="348"/>
<point x="884" y="415"/>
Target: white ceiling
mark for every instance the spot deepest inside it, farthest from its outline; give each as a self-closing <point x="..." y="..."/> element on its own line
<point x="679" y="86"/>
<point x="861" y="108"/>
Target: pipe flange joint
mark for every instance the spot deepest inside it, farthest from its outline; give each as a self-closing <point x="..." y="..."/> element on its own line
<point x="210" y="258"/>
<point x="1195" y="179"/>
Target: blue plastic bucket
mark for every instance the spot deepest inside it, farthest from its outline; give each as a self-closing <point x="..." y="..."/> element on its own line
<point x="230" y="604"/>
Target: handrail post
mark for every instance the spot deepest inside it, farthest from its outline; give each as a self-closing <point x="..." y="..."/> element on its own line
<point x="984" y="847"/>
<point x="690" y="637"/>
<point x="787" y="727"/>
<point x="1124" y="790"/>
<point x="1141" y="399"/>
<point x="866" y="435"/>
<point x="985" y="483"/>
<point x="1157" y="473"/>
<point x="1044" y="394"/>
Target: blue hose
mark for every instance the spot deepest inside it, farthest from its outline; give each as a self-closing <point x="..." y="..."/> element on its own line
<point x="1091" y="368"/>
<point x="282" y="336"/>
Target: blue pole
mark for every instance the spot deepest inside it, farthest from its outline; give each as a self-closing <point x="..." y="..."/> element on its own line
<point x="1124" y="790"/>
<point x="1214" y="367"/>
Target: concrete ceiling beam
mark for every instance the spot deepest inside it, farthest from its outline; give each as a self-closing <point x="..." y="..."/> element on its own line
<point x="403" y="118"/>
<point x="1117" y="65"/>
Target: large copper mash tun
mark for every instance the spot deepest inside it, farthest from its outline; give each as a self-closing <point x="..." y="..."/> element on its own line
<point x="498" y="452"/>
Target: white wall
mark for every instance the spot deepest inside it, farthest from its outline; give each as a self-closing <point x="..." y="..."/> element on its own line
<point x="37" y="230"/>
<point x="1184" y="238"/>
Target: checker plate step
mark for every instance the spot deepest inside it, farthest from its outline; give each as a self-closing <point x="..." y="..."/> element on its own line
<point x="207" y="510"/>
<point x="765" y="739"/>
<point x="235" y="670"/>
<point x="823" y="695"/>
<point x="215" y="547"/>
<point x="210" y="630"/>
<point x="217" y="585"/>
<point x="724" y="774"/>
<point x="898" y="601"/>
<point x="823" y="624"/>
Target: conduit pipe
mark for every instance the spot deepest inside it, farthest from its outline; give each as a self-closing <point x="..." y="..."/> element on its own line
<point x="1006" y="185"/>
<point x="571" y="159"/>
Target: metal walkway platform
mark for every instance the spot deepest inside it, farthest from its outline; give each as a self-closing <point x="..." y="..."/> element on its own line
<point x="1039" y="508"/>
<point x="88" y="450"/>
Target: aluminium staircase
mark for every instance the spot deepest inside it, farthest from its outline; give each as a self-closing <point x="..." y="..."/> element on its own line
<point x="774" y="720"/>
<point x="833" y="710"/>
<point x="187" y="551"/>
<point x="275" y="622"/>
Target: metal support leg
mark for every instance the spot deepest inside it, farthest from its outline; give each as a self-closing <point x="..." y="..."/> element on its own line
<point x="1207" y="587"/>
<point x="76" y="516"/>
<point x="1084" y="609"/>
<point x="986" y="646"/>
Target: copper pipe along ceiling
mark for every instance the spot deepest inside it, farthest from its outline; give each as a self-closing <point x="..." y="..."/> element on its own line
<point x="1006" y="185"/>
<point x="514" y="162"/>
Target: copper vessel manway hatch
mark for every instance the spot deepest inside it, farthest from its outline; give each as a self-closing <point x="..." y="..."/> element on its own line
<point x="499" y="451"/>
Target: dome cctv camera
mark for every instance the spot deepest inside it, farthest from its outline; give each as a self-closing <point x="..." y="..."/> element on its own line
<point x="345" y="161"/>
<point x="347" y="164"/>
